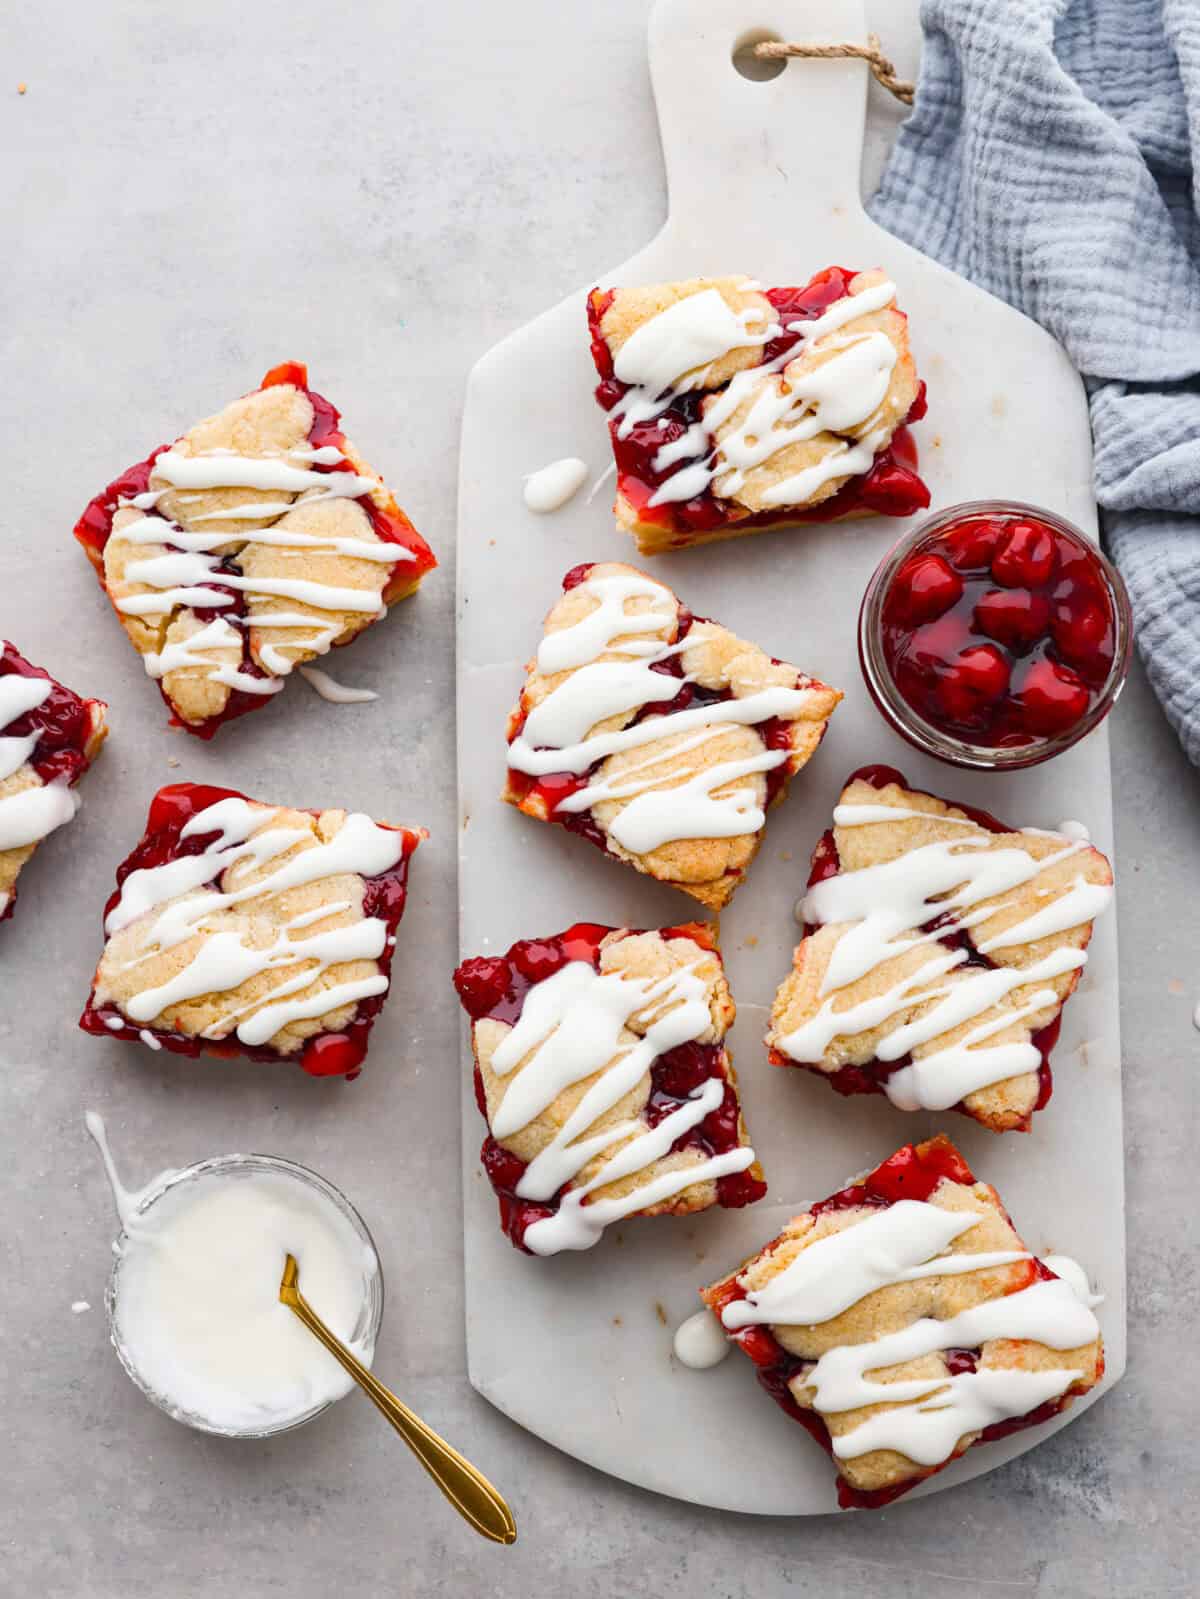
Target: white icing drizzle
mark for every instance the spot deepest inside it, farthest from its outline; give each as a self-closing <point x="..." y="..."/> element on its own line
<point x="552" y="486"/>
<point x="700" y="1342"/>
<point x="556" y="737"/>
<point x="923" y="1418"/>
<point x="882" y="907"/>
<point x="20" y="694"/>
<point x="1073" y="1273"/>
<point x="30" y="814"/>
<point x="169" y="894"/>
<point x="671" y="353"/>
<point x="570" y="1028"/>
<point x="333" y="691"/>
<point x="181" y="574"/>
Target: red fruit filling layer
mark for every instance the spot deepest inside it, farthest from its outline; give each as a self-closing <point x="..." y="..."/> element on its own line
<point x="911" y="1173"/>
<point x="94" y="528"/>
<point x="552" y="789"/>
<point x="871" y="1076"/>
<point x="64" y="723"/>
<point x="1000" y="630"/>
<point x="334" y="1054"/>
<point x="494" y="987"/>
<point x="890" y="488"/>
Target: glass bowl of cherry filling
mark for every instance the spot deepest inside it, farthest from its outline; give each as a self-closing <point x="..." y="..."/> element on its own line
<point x="995" y="635"/>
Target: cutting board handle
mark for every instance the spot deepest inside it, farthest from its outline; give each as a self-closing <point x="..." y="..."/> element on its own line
<point x="736" y="150"/>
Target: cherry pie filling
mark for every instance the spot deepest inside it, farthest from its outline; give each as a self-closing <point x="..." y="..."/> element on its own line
<point x="332" y="1054"/>
<point x="494" y="988"/>
<point x="890" y="488"/>
<point x="554" y="787"/>
<point x="94" y="528"/>
<point x="1000" y="630"/>
<point x="870" y="1077"/>
<point x="911" y="1173"/>
<point x="63" y="723"/>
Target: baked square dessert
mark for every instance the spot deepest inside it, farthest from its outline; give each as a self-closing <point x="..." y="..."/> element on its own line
<point x="257" y="541"/>
<point x="602" y="1073"/>
<point x="239" y="928"/>
<point x="902" y="1320"/>
<point x="734" y="409"/>
<point x="49" y="736"/>
<point x="659" y="736"/>
<point x="939" y="949"/>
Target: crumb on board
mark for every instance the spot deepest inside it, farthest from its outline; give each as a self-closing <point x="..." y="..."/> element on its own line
<point x="21" y="88"/>
<point x="172" y="760"/>
<point x="1174" y="986"/>
<point x="617" y="1321"/>
<point x="660" y="1310"/>
<point x="785" y="854"/>
<point x="751" y="941"/>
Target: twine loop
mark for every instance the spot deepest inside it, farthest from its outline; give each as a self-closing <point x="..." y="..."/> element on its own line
<point x="883" y="70"/>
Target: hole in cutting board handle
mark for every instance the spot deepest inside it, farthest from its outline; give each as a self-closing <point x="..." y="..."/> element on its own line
<point x="755" y="67"/>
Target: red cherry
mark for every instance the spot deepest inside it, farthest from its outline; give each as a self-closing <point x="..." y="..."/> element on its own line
<point x="536" y="958"/>
<point x="932" y="647"/>
<point x="1080" y="629"/>
<point x="923" y="589"/>
<point x="333" y="1055"/>
<point x="482" y="984"/>
<point x="1013" y="616"/>
<point x="969" y="546"/>
<point x="1024" y="557"/>
<point x="1053" y="697"/>
<point x="977" y="679"/>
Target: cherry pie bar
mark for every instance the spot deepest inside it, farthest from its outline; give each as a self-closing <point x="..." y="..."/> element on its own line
<point x="257" y="541"/>
<point x="734" y="409"/>
<point x="48" y="739"/>
<point x="239" y="928"/>
<point x="602" y="1073"/>
<point x="939" y="949"/>
<point x="902" y="1320"/>
<point x="660" y="737"/>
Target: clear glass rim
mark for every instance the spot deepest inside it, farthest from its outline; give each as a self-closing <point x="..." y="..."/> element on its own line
<point x="932" y="740"/>
<point x="366" y="1330"/>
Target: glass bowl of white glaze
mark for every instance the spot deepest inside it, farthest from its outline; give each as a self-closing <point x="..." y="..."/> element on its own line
<point x="193" y="1296"/>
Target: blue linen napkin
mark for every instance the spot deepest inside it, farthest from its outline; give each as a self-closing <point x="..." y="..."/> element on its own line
<point x="1053" y="157"/>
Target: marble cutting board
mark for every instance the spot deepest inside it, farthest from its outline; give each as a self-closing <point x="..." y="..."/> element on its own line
<point x="763" y="178"/>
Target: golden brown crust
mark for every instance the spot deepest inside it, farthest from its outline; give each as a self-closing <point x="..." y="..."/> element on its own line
<point x="1003" y="1106"/>
<point x="268" y="423"/>
<point x="636" y="955"/>
<point x="631" y="308"/>
<point x="132" y="963"/>
<point x="707" y="869"/>
<point x="748" y="493"/>
<point x="891" y="1309"/>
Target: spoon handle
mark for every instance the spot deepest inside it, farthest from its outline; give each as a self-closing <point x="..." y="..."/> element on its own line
<point x="468" y="1490"/>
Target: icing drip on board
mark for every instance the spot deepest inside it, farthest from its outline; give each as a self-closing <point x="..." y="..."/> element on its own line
<point x="923" y="1418"/>
<point x="333" y="691"/>
<point x="550" y="488"/>
<point x="557" y="736"/>
<point x="574" y="1026"/>
<point x="883" y="908"/>
<point x="700" y="1342"/>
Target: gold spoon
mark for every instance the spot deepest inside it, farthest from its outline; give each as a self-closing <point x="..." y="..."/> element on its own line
<point x="468" y="1490"/>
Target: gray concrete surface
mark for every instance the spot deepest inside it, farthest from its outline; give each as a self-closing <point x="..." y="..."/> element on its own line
<point x="190" y="195"/>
